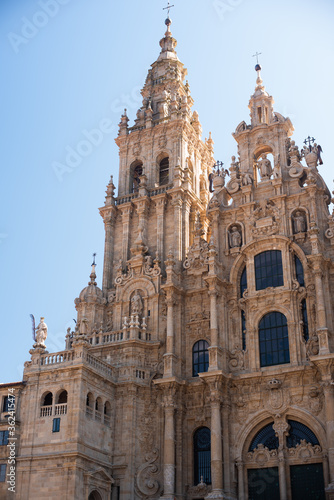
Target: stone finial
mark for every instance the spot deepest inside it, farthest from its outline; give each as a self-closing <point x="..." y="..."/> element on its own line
<point x="110" y="200"/>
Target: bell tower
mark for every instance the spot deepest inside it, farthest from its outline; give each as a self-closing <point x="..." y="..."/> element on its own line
<point x="163" y="170"/>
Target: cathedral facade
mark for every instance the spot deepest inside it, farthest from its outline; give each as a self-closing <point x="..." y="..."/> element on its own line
<point x="203" y="368"/>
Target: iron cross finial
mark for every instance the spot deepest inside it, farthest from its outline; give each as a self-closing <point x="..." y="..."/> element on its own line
<point x="257" y="56"/>
<point x="168" y="8"/>
<point x="94" y="263"/>
<point x="308" y="142"/>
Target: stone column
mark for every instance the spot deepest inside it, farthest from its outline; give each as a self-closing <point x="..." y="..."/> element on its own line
<point x="169" y="450"/>
<point x="241" y="485"/>
<point x="187" y="206"/>
<point x="213" y="349"/>
<point x="213" y="318"/>
<point x="177" y="203"/>
<point x="226" y="445"/>
<point x="160" y="208"/>
<point x="322" y="330"/>
<point x="109" y="225"/>
<point x="170" y="324"/>
<point x="126" y="216"/>
<point x="281" y="427"/>
<point x="329" y="411"/>
<point x="216" y="447"/>
<point x="169" y="356"/>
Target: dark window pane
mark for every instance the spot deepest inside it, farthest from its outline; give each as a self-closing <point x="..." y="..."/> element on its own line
<point x="243" y="281"/>
<point x="202" y="455"/>
<point x="268" y="269"/>
<point x="299" y="271"/>
<point x="299" y="431"/>
<point x="200" y="357"/>
<point x="275" y="349"/>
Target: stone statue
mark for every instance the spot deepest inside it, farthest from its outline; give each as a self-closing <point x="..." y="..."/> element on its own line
<point x="264" y="167"/>
<point x="247" y="179"/>
<point x="235" y="237"/>
<point x="41" y="333"/>
<point x="136" y="304"/>
<point x="299" y="223"/>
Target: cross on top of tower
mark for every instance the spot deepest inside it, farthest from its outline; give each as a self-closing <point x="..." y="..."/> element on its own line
<point x="94" y="263"/>
<point x="308" y="141"/>
<point x="257" y="54"/>
<point x="168" y="8"/>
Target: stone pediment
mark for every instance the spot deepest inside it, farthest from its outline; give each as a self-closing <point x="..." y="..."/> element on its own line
<point x="99" y="474"/>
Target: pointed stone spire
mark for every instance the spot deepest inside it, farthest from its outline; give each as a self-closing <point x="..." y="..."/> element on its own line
<point x="261" y="103"/>
<point x="168" y="44"/>
<point x="93" y="274"/>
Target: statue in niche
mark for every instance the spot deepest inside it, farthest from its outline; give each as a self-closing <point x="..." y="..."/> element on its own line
<point x="264" y="167"/>
<point x="235" y="237"/>
<point x="247" y="179"/>
<point x="136" y="304"/>
<point x="299" y="222"/>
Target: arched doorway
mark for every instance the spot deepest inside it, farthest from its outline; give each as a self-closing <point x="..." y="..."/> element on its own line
<point x="286" y="464"/>
<point x="94" y="495"/>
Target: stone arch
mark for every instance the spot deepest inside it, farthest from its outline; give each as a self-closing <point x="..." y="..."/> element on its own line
<point x="136" y="169"/>
<point x="90" y="400"/>
<point x="94" y="495"/>
<point x="61" y="396"/>
<point x="47" y="398"/>
<point x="143" y="284"/>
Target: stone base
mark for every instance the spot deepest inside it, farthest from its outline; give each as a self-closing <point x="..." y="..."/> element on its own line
<point x="330" y="492"/>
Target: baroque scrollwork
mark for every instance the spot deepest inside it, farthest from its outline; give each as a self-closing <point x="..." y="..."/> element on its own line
<point x="147" y="476"/>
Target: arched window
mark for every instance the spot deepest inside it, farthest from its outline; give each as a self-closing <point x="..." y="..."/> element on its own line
<point x="48" y="399"/>
<point x="202" y="456"/>
<point x="243" y="330"/>
<point x="273" y="339"/>
<point x="137" y="171"/>
<point x="164" y="171"/>
<point x="265" y="436"/>
<point x="62" y="398"/>
<point x="299" y="271"/>
<point x="304" y="320"/>
<point x="268" y="269"/>
<point x="89" y="399"/>
<point x="243" y="281"/>
<point x="200" y="357"/>
<point x="297" y="432"/>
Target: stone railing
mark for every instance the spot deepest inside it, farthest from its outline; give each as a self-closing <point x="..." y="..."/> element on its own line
<point x="119" y="336"/>
<point x="57" y="357"/>
<point x="61" y="409"/>
<point x="68" y="358"/>
<point x="150" y="192"/>
<point x="46" y="411"/>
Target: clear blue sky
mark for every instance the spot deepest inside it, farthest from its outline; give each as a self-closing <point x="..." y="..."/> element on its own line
<point x="67" y="65"/>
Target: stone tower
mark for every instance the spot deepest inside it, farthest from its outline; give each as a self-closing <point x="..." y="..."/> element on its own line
<point x="203" y="368"/>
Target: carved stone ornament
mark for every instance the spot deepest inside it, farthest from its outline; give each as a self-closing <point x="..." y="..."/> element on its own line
<point x="237" y="359"/>
<point x="312" y="346"/>
<point x="276" y="397"/>
<point x="136" y="149"/>
<point x="304" y="451"/>
<point x="147" y="477"/>
<point x="162" y="141"/>
<point x="265" y="219"/>
<point x="261" y="455"/>
<point x="199" y="491"/>
<point x="198" y="253"/>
